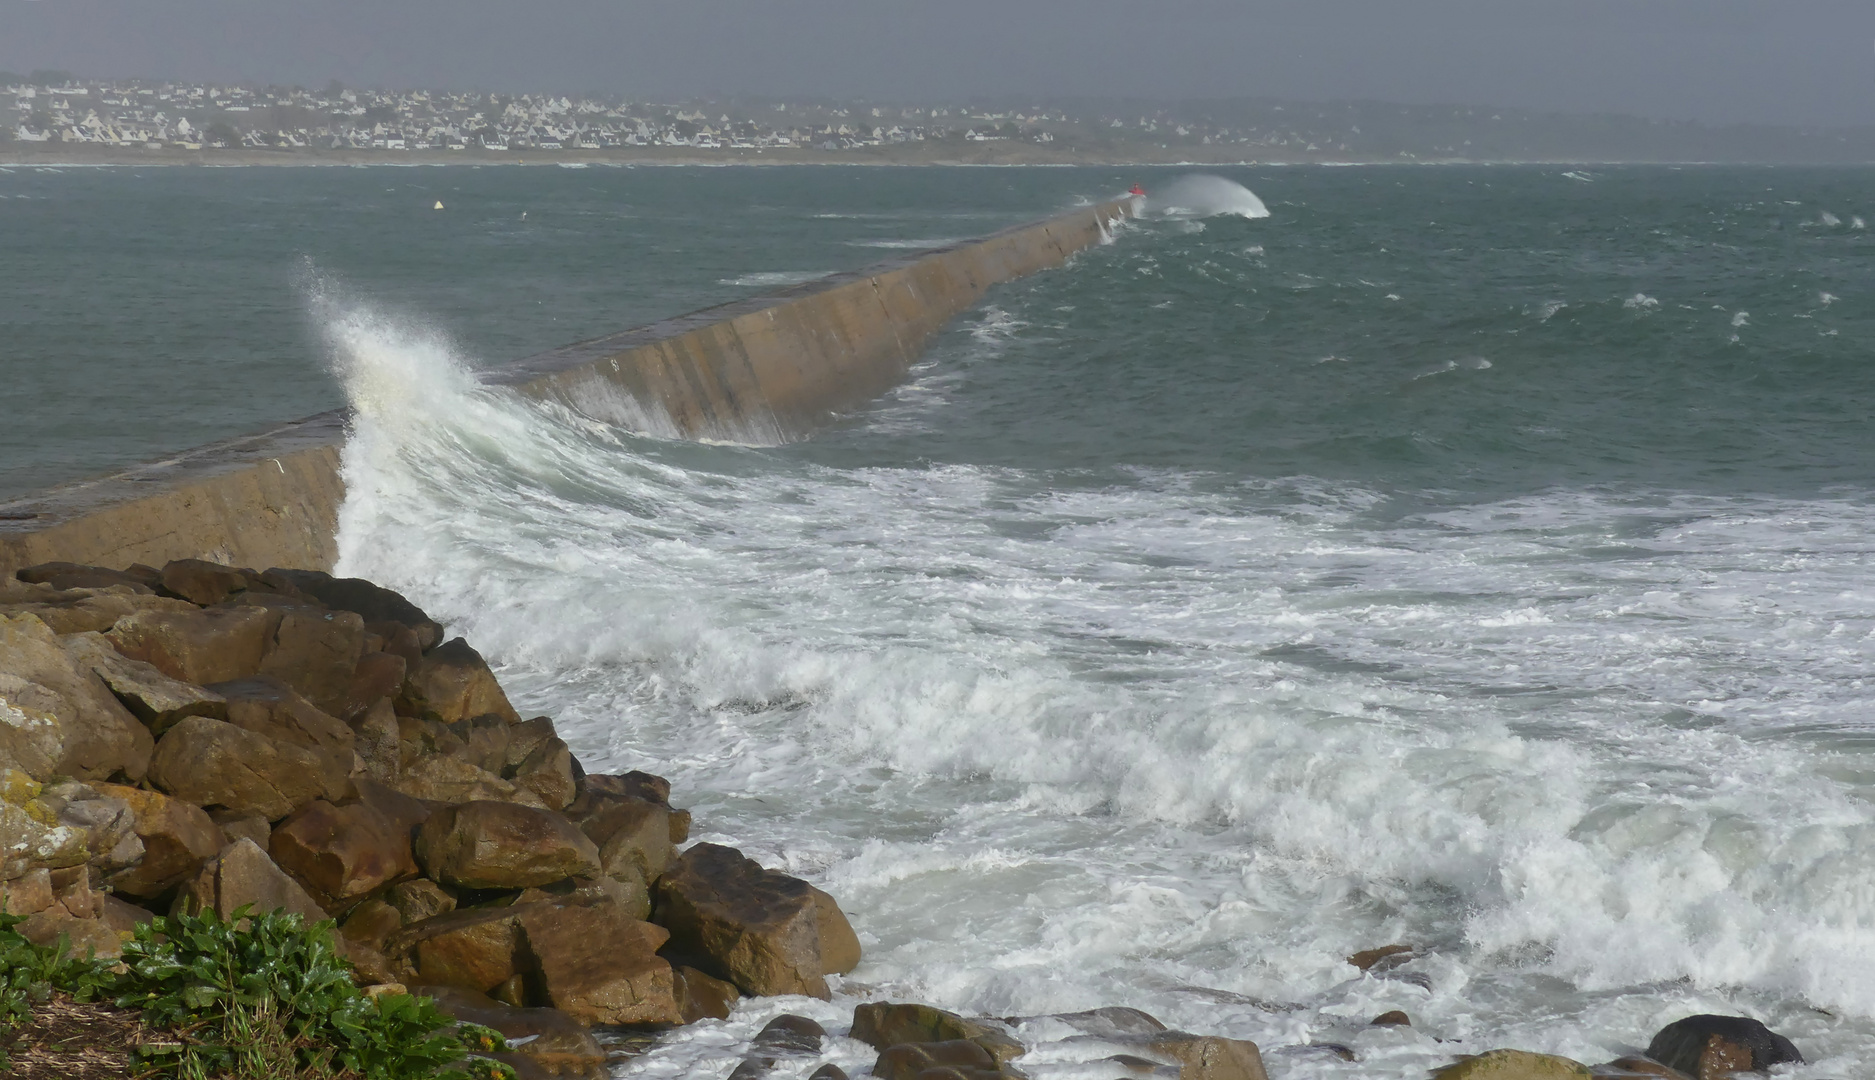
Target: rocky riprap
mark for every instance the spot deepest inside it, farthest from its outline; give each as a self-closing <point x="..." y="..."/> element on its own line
<point x="208" y="737"/>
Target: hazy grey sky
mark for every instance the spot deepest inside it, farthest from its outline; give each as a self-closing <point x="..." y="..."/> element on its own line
<point x="1794" y="61"/>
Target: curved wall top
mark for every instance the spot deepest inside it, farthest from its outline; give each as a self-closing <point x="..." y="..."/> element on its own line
<point x="768" y="369"/>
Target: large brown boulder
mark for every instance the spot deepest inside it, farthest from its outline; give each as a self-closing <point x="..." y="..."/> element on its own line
<point x="213" y="763"/>
<point x="243" y="875"/>
<point x="373" y="603"/>
<point x="177" y="839"/>
<point x="560" y="1044"/>
<point x="198" y="646"/>
<point x="59" y="717"/>
<point x="731" y="918"/>
<point x="496" y="845"/>
<point x="151" y="696"/>
<point x="267" y="706"/>
<point x="470" y="947"/>
<point x="702" y="997"/>
<point x="633" y="836"/>
<point x="598" y="965"/>
<point x="341" y="854"/>
<point x="27" y="894"/>
<point x="316" y="652"/>
<point x="957" y="1060"/>
<point x="1708" y="1047"/>
<point x="453" y="683"/>
<point x="839" y="945"/>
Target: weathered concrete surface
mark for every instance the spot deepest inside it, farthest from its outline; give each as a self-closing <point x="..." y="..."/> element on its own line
<point x="768" y="369"/>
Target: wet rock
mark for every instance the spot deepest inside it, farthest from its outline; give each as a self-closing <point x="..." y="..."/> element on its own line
<point x="1113" y="1020"/>
<point x="637" y="785"/>
<point x="1636" y="1068"/>
<point x="1708" y="1047"/>
<point x="27" y="894"/>
<point x="213" y="763"/>
<point x="884" y="1024"/>
<point x="734" y="920"/>
<point x="1138" y="1066"/>
<point x="108" y="825"/>
<point x="701" y="997"/>
<point x="403" y="811"/>
<point x="56" y="716"/>
<point x="198" y="646"/>
<point x="839" y="945"/>
<point x="177" y="839"/>
<point x="629" y="896"/>
<point x="151" y="696"/>
<point x="495" y="845"/>
<point x="789" y="1034"/>
<point x="473" y="947"/>
<point x="525" y="737"/>
<point x="64" y="575"/>
<point x="316" y="652"/>
<point x="622" y="982"/>
<point x="556" y="1042"/>
<point x="243" y="875"/>
<point x="959" y="1060"/>
<point x="376" y="679"/>
<point x="1392" y="1018"/>
<point x="340" y="854"/>
<point x="453" y="683"/>
<point x="418" y="900"/>
<point x="633" y="836"/>
<point x="680" y="826"/>
<point x="829" y="1071"/>
<point x="1514" y="1065"/>
<point x="1382" y="959"/>
<point x="1206" y="1057"/>
<point x="371" y="602"/>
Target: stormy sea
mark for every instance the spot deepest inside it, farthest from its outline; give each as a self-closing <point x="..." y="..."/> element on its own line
<point x="1480" y="559"/>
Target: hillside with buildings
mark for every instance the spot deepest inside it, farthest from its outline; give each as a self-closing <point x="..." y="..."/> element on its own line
<point x="55" y="114"/>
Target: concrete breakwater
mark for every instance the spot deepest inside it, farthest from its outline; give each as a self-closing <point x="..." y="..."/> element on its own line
<point x="768" y="369"/>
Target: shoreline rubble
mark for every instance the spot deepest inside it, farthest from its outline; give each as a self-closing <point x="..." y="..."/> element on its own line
<point x="205" y="737"/>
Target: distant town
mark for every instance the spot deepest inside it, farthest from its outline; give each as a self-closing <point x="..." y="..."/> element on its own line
<point x="60" y="116"/>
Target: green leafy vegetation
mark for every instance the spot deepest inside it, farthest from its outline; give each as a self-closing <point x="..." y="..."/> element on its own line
<point x="255" y="997"/>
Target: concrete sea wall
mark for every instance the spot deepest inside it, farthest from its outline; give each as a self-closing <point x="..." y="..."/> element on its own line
<point x="768" y="369"/>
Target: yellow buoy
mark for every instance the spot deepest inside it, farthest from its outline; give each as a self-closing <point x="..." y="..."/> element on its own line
<point x="439" y="204"/>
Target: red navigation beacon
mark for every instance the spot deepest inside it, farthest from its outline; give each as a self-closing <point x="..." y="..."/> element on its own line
<point x="1137" y="190"/>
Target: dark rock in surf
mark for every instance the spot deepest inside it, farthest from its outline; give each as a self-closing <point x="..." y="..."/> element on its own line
<point x="1708" y="1047"/>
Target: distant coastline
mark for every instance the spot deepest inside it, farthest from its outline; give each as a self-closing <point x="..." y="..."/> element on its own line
<point x="81" y="155"/>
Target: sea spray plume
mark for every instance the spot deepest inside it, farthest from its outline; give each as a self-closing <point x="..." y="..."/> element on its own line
<point x="1202" y="195"/>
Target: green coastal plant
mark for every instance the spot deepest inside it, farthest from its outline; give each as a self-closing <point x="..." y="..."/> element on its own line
<point x="251" y="997"/>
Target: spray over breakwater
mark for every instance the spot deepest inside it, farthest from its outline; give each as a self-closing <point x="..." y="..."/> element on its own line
<point x="1126" y="707"/>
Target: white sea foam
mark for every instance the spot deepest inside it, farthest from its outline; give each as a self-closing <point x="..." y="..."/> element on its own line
<point x="1742" y="318"/>
<point x="1830" y="220"/>
<point x="771" y="279"/>
<point x="1181" y="745"/>
<point x="1205" y="196"/>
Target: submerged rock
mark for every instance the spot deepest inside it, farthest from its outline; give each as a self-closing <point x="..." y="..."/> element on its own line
<point x="882" y="1024"/>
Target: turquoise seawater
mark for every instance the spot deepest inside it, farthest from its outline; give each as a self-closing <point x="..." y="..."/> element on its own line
<point x="1474" y="558"/>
